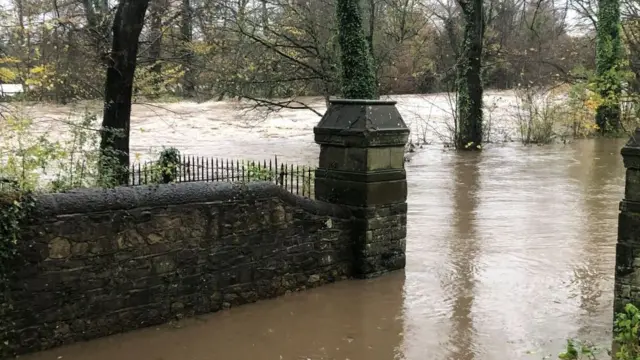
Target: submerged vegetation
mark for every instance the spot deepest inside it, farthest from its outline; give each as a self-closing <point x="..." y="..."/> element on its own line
<point x="625" y="340"/>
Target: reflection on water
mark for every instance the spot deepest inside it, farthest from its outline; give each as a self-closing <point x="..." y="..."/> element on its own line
<point x="463" y="250"/>
<point x="509" y="252"/>
<point x="600" y="179"/>
<point x="347" y="320"/>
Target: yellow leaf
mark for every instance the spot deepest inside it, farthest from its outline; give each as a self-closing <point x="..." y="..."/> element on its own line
<point x="7" y="75"/>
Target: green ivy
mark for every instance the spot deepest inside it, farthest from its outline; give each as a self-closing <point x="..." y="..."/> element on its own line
<point x="577" y="350"/>
<point x="608" y="60"/>
<point x="358" y="76"/>
<point x="626" y="333"/>
<point x="469" y="78"/>
<point x="168" y="162"/>
<point x="625" y="338"/>
<point x="15" y="207"/>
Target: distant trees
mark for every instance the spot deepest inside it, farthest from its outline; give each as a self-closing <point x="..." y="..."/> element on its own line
<point x="281" y="48"/>
<point x="284" y="49"/>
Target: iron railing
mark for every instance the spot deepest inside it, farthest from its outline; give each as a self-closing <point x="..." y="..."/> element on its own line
<point x="294" y="178"/>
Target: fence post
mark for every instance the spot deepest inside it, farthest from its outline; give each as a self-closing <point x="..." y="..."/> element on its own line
<point x="362" y="166"/>
<point x="627" y="270"/>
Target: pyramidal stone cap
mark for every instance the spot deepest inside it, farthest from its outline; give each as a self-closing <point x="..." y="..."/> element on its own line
<point x="361" y="123"/>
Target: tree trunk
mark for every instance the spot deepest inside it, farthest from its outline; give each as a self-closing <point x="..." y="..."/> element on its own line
<point x="370" y="41"/>
<point x="156" y="14"/>
<point x="608" y="59"/>
<point x="21" y="35"/>
<point x="20" y="14"/>
<point x="469" y="79"/>
<point x="452" y="34"/>
<point x="372" y="27"/>
<point x="186" y="31"/>
<point x="114" y="144"/>
<point x="265" y="17"/>
<point x="358" y="77"/>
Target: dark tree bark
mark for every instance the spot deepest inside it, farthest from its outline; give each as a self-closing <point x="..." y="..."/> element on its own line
<point x="186" y="31"/>
<point x="469" y="79"/>
<point x="358" y="77"/>
<point x="114" y="144"/>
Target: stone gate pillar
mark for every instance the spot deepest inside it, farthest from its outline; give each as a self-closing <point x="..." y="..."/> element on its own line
<point x="362" y="166"/>
<point x="627" y="271"/>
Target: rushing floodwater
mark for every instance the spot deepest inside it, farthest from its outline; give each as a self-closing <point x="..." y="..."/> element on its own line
<point x="510" y="252"/>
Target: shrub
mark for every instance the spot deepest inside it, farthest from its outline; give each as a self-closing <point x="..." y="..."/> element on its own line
<point x="537" y="115"/>
<point x="625" y="339"/>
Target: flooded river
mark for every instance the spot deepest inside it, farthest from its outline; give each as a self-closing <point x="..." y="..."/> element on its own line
<point x="510" y="252"/>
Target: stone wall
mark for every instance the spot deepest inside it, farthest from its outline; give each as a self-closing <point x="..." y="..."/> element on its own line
<point x="99" y="262"/>
<point x="627" y="271"/>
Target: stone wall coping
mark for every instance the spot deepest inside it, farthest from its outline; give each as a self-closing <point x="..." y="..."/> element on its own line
<point x="362" y="102"/>
<point x="359" y="132"/>
<point x="124" y="198"/>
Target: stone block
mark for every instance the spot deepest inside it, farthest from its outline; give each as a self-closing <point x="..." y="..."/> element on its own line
<point x="632" y="185"/>
<point x="629" y="228"/>
<point x="59" y="248"/>
<point x="378" y="158"/>
<point x="396" y="157"/>
<point x="626" y="256"/>
<point x="341" y="158"/>
<point x="355" y="193"/>
<point x="368" y="267"/>
<point x="361" y="160"/>
<point x="371" y="249"/>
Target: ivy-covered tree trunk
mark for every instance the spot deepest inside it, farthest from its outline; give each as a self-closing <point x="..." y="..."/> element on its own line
<point x="469" y="78"/>
<point x="114" y="144"/>
<point x="358" y="77"/>
<point x="608" y="61"/>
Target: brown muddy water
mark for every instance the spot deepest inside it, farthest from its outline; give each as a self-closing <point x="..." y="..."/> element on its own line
<point x="509" y="253"/>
